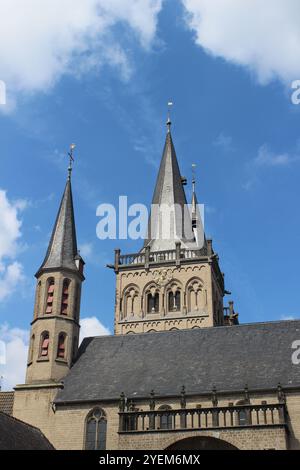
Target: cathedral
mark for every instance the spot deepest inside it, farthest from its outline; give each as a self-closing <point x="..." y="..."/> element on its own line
<point x="180" y="372"/>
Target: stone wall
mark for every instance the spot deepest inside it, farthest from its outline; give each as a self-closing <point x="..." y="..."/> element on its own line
<point x="65" y="425"/>
<point x="133" y="286"/>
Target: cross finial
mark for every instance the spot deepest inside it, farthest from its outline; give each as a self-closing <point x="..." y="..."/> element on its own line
<point x="71" y="157"/>
<point x="170" y="104"/>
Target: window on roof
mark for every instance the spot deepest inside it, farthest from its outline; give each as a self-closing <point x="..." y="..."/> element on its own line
<point x="61" y="347"/>
<point x="50" y="295"/>
<point x="96" y="429"/>
<point x="65" y="297"/>
<point x="45" y="340"/>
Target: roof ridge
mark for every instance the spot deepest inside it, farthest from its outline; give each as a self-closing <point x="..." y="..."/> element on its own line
<point x="211" y="328"/>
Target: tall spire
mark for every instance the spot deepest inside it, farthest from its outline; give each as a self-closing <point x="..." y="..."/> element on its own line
<point x="194" y="196"/>
<point x="169" y="122"/>
<point x="168" y="192"/>
<point x="62" y="250"/>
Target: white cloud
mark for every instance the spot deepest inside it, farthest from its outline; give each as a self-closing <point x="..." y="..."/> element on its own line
<point x="288" y="317"/>
<point x="263" y="36"/>
<point x="14" y="349"/>
<point x="86" y="250"/>
<point x="92" y="327"/>
<point x="42" y="40"/>
<point x="224" y="141"/>
<point x="10" y="276"/>
<point x="11" y="271"/>
<point x="266" y="157"/>
<point x="14" y="355"/>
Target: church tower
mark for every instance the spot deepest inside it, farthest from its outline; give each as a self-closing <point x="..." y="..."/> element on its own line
<point x="55" y="326"/>
<point x="175" y="281"/>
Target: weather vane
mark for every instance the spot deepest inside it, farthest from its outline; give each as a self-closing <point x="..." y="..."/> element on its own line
<point x="194" y="166"/>
<point x="170" y="104"/>
<point x="71" y="156"/>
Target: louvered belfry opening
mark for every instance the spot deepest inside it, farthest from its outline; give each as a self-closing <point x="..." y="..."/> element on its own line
<point x="65" y="297"/>
<point x="61" y="348"/>
<point x="50" y="296"/>
<point x="45" y="340"/>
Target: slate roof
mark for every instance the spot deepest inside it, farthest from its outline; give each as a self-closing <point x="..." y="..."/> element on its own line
<point x="62" y="249"/>
<point x="16" y="435"/>
<point x="258" y="355"/>
<point x="7" y="402"/>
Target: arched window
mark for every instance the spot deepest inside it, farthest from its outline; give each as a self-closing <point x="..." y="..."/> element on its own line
<point x="153" y="302"/>
<point x="96" y="426"/>
<point x="166" y="419"/>
<point x="65" y="297"/>
<point x="130" y="304"/>
<point x="174" y="301"/>
<point x="195" y="295"/>
<point x="50" y="295"/>
<point x="44" y="350"/>
<point x="61" y="346"/>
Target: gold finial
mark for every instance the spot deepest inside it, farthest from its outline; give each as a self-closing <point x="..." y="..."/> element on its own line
<point x="71" y="156"/>
<point x="170" y="104"/>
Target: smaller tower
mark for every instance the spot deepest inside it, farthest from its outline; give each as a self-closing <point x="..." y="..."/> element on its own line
<point x="55" y="326"/>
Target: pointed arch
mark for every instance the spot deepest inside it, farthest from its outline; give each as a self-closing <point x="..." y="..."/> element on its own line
<point x="194" y="294"/>
<point x="50" y="288"/>
<point x="62" y="346"/>
<point x="44" y="345"/>
<point x="130" y="305"/>
<point x="151" y="298"/>
<point x="96" y="430"/>
<point x="174" y="296"/>
<point x="65" y="297"/>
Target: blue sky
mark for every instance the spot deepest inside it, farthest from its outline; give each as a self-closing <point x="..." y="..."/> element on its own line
<point x="232" y="115"/>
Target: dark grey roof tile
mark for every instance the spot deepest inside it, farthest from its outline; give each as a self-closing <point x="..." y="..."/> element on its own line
<point x="226" y="357"/>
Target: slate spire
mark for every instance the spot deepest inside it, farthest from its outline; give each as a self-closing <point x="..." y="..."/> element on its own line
<point x="194" y="202"/>
<point x="168" y="191"/>
<point x="62" y="250"/>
